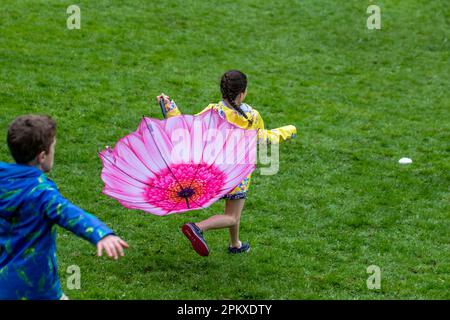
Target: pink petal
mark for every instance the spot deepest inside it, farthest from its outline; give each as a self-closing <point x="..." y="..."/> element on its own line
<point x="145" y="171"/>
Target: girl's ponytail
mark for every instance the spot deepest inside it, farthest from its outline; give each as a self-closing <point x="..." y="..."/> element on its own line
<point x="232" y="84"/>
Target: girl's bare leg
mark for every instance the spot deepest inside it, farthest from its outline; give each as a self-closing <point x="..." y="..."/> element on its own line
<point x="235" y="207"/>
<point x="231" y="219"/>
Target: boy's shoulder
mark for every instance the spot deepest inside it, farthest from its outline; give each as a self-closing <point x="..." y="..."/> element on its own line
<point x="42" y="190"/>
<point x="23" y="177"/>
<point x="23" y="187"/>
<point x="42" y="184"/>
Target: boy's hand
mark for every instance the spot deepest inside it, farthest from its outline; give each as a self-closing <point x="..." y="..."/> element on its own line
<point x="112" y="245"/>
<point x="165" y="97"/>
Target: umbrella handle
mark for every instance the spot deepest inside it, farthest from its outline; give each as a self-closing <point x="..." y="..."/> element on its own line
<point x="163" y="108"/>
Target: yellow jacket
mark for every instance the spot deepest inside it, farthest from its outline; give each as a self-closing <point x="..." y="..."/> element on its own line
<point x="231" y="115"/>
<point x="270" y="136"/>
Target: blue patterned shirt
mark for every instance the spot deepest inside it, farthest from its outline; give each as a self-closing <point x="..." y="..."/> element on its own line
<point x="30" y="208"/>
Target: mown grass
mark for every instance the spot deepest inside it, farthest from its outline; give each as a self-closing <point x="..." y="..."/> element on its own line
<point x="360" y="99"/>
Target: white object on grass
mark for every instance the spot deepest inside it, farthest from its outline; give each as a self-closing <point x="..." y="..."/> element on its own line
<point x="405" y="161"/>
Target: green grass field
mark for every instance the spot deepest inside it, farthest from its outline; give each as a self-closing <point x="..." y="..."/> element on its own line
<point x="360" y="99"/>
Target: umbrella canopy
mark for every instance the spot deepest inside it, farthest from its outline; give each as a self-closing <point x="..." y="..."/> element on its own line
<point x="178" y="164"/>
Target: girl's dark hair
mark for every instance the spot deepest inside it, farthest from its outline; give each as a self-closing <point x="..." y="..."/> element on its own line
<point x="233" y="83"/>
<point x="29" y="135"/>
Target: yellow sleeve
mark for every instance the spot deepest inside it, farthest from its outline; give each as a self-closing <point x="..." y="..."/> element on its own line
<point x="206" y="109"/>
<point x="274" y="136"/>
<point x="172" y="109"/>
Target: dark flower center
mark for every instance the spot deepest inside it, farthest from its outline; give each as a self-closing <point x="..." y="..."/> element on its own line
<point x="186" y="193"/>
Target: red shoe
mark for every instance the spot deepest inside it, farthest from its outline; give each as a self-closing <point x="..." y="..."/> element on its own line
<point x="195" y="235"/>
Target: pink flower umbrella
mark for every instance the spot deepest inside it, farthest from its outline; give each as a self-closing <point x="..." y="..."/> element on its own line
<point x="178" y="164"/>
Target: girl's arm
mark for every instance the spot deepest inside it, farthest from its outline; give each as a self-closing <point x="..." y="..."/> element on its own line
<point x="170" y="106"/>
<point x="274" y="135"/>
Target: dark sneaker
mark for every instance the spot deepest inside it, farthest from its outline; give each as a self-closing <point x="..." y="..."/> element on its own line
<point x="195" y="235"/>
<point x="245" y="247"/>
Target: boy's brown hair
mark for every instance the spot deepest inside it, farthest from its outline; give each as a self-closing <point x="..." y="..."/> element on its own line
<point x="29" y="135"/>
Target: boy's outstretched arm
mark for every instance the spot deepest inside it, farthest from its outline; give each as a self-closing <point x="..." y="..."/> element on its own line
<point x="65" y="214"/>
<point x="170" y="105"/>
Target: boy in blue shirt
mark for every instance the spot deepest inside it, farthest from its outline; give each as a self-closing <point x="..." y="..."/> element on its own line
<point x="31" y="207"/>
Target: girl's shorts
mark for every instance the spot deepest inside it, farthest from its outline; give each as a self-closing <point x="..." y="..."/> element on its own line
<point x="235" y="196"/>
<point x="240" y="192"/>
